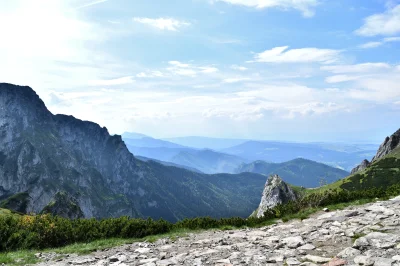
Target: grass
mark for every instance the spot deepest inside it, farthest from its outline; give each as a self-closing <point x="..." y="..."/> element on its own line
<point x="18" y="258"/>
<point x="305" y="214"/>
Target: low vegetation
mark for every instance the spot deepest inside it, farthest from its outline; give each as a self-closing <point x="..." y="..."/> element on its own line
<point x="18" y="232"/>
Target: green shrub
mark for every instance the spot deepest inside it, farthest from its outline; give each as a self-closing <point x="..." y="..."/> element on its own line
<point x="46" y="231"/>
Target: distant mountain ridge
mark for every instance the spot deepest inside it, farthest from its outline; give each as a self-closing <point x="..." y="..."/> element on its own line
<point x="56" y="161"/>
<point x="299" y="172"/>
<point x="279" y="152"/>
<point x="208" y="161"/>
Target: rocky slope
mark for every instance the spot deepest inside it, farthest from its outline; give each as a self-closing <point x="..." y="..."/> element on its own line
<point x="275" y="192"/>
<point x="361" y="235"/>
<point x="66" y="166"/>
<point x="389" y="145"/>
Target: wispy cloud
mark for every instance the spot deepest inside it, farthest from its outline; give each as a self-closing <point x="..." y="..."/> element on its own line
<point x="169" y="24"/>
<point x="190" y="70"/>
<point x="369" y="45"/>
<point x="387" y="23"/>
<point x="307" y="7"/>
<point x="92" y="3"/>
<point x="302" y="55"/>
<point x="235" y="80"/>
<point x="240" y="68"/>
<point x="112" y="82"/>
<point x="357" y="68"/>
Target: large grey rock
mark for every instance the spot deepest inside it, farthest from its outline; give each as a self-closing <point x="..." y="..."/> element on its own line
<point x="293" y="241"/>
<point x="276" y="192"/>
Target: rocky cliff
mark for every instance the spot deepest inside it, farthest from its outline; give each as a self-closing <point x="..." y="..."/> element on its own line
<point x="276" y="192"/>
<point x="48" y="162"/>
<point x="388" y="146"/>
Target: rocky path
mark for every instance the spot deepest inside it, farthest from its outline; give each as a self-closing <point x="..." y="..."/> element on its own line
<point x="361" y="235"/>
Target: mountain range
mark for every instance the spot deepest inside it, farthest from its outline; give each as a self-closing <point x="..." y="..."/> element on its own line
<point x="338" y="155"/>
<point x="298" y="172"/>
<point x="63" y="165"/>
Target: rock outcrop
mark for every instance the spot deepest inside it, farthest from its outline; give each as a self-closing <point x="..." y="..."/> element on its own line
<point x="364" y="165"/>
<point x="276" y="192"/>
<point x="42" y="154"/>
<point x="359" y="235"/>
<point x="388" y="146"/>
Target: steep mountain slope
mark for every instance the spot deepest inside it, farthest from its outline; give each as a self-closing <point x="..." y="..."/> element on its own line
<point x="208" y="161"/>
<point x="43" y="155"/>
<point x="299" y="172"/>
<point x="387" y="147"/>
<point x="278" y="152"/>
<point x="382" y="172"/>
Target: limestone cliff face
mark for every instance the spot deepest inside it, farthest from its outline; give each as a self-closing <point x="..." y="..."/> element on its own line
<point x="276" y="192"/>
<point x="386" y="147"/>
<point x="43" y="156"/>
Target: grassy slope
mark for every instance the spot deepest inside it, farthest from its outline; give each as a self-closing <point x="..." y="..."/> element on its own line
<point x="382" y="173"/>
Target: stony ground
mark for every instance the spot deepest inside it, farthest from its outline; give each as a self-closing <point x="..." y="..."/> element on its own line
<point x="361" y="235"/>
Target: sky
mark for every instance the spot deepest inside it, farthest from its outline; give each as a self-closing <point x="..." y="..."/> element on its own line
<point x="295" y="70"/>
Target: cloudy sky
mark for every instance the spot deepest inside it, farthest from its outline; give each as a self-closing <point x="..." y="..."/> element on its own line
<point x="299" y="70"/>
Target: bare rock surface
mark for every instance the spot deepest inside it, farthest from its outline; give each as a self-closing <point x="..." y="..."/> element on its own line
<point x="276" y="192"/>
<point x="359" y="235"/>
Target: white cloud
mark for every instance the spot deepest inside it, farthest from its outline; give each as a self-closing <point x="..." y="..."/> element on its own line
<point x="302" y="55"/>
<point x="370" y="45"/>
<point x="382" y="89"/>
<point x="241" y="68"/>
<point x="92" y="3"/>
<point x="189" y="70"/>
<point x="208" y="69"/>
<point x="169" y="24"/>
<point x="234" y="80"/>
<point x="387" y="23"/>
<point x="380" y="43"/>
<point x="305" y="6"/>
<point x="357" y="68"/>
<point x="112" y="82"/>
<point x="151" y="74"/>
<point x="391" y="39"/>
<point x="340" y="78"/>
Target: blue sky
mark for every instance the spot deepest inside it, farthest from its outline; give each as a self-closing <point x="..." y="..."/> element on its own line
<point x="298" y="70"/>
